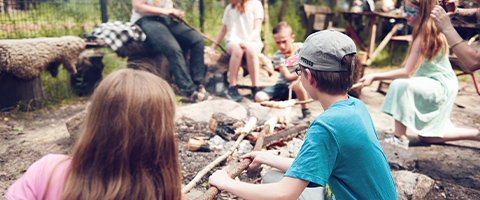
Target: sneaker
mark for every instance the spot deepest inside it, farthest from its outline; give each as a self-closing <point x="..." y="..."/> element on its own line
<point x="392" y="139"/>
<point x="233" y="94"/>
<point x="306" y="113"/>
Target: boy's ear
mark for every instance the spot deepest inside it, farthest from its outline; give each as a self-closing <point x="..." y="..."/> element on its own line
<point x="293" y="37"/>
<point x="309" y="77"/>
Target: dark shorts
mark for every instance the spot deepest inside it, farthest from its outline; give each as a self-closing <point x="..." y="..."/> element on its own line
<point x="278" y="92"/>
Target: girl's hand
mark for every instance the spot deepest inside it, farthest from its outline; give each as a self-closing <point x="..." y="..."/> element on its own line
<point x="242" y="45"/>
<point x="219" y="179"/>
<point x="366" y="80"/>
<point x="258" y="158"/>
<point x="441" y="19"/>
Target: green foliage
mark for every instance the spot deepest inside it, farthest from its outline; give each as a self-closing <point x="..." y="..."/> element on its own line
<point x="292" y="17"/>
<point x="56" y="90"/>
<point x="111" y="61"/>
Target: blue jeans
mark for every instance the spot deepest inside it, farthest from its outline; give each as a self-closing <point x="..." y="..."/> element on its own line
<point x="173" y="38"/>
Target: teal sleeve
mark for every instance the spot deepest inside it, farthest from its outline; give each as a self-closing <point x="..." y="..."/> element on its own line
<point x="316" y="159"/>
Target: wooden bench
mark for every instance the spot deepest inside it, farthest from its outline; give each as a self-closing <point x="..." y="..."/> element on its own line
<point x="317" y="18"/>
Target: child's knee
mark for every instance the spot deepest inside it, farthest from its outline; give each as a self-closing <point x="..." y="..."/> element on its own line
<point x="261" y="96"/>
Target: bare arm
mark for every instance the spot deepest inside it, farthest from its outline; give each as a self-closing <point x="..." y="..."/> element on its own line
<point x="259" y="158"/>
<point x="411" y="66"/>
<point x="467" y="54"/>
<point x="220" y="35"/>
<point x="287" y="188"/>
<point x="288" y="76"/>
<point x="142" y="8"/>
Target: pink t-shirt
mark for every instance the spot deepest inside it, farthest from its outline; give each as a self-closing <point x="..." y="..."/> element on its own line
<point x="33" y="184"/>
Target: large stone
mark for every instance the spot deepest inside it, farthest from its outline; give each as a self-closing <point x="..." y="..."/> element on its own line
<point x="203" y="111"/>
<point x="263" y="113"/>
<point x="399" y="158"/>
<point x="75" y="123"/>
<point x="411" y="185"/>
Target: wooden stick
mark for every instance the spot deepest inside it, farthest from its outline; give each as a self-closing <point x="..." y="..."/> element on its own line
<point x="204" y="35"/>
<point x="285" y="134"/>
<point x="237" y="168"/>
<point x="126" y="8"/>
<point x="246" y="129"/>
<point x="290" y="87"/>
<point x="306" y="101"/>
<point x="356" y="85"/>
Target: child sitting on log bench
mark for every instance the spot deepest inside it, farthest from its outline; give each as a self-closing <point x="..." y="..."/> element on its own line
<point x="341" y="146"/>
<point x="284" y="40"/>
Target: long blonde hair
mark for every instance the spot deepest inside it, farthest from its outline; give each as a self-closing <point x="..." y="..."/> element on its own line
<point x="432" y="41"/>
<point x="127" y="147"/>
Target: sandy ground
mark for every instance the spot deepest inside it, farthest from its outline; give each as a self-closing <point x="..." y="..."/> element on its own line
<point x="26" y="137"/>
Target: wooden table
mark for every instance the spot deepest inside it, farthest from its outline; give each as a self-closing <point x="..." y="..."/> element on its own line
<point x="371" y="50"/>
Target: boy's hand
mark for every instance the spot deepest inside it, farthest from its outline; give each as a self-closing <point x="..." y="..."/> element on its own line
<point x="219" y="179"/>
<point x="258" y="158"/>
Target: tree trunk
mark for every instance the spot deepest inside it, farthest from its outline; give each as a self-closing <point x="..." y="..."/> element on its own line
<point x="283" y="10"/>
<point x="266" y="32"/>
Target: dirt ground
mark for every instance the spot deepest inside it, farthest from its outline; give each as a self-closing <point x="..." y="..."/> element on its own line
<point x="455" y="166"/>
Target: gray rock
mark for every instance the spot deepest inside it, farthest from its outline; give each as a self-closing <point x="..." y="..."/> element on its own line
<point x="411" y="185"/>
<point x="244" y="147"/>
<point x="294" y="146"/>
<point x="203" y="111"/>
<point x="399" y="158"/>
<point x="217" y="143"/>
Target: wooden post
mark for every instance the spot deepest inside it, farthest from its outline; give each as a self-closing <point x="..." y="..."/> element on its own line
<point x="266" y="21"/>
<point x="202" y="15"/>
<point x="2" y="6"/>
<point x="103" y="9"/>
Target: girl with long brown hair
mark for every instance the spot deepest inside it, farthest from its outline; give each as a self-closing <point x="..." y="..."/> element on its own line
<point x="126" y="149"/>
<point x="422" y="94"/>
<point x="241" y="26"/>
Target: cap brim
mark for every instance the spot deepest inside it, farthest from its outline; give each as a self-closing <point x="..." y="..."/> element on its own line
<point x="292" y="61"/>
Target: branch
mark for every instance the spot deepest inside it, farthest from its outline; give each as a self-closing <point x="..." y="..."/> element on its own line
<point x="235" y="169"/>
<point x="246" y="129"/>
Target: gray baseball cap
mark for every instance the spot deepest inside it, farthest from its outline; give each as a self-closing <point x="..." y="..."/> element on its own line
<point x="324" y="51"/>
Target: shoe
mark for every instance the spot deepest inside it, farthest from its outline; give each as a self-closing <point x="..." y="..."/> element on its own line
<point x="233" y="94"/>
<point x="206" y="97"/>
<point x="255" y="89"/>
<point x="306" y="113"/>
<point x="392" y="139"/>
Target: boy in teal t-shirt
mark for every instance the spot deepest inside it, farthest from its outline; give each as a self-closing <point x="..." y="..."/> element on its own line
<point x="341" y="146"/>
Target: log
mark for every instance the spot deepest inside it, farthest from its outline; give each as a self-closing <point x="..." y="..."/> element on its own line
<point x="224" y="126"/>
<point x="198" y="145"/>
<point x="285" y="134"/>
<point x="246" y="129"/>
<point x="25" y="95"/>
<point x="235" y="169"/>
<point x="89" y="72"/>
